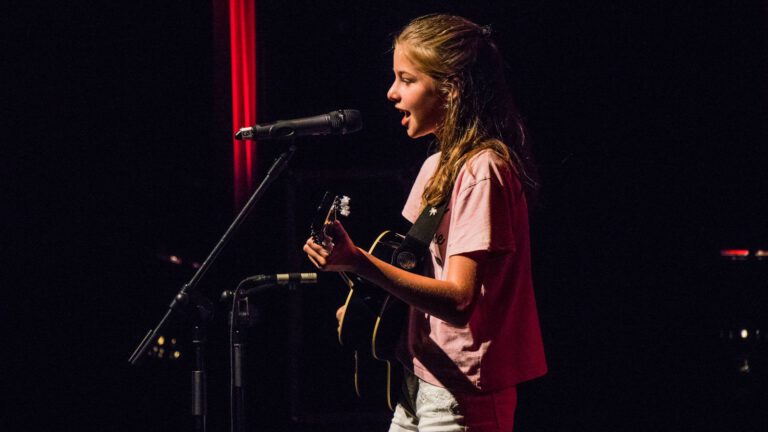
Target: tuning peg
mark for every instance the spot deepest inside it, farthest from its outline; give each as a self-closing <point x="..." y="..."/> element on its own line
<point x="344" y="205"/>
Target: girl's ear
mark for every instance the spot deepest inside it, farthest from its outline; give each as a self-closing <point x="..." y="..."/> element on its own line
<point x="453" y="92"/>
<point x="450" y="90"/>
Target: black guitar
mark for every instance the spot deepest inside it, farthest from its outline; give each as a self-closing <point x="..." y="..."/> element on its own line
<point x="373" y="320"/>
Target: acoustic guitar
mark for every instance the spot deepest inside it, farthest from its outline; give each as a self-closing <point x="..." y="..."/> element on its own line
<point x="373" y="320"/>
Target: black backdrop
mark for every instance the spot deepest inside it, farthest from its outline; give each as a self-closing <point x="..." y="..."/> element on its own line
<point x="649" y="122"/>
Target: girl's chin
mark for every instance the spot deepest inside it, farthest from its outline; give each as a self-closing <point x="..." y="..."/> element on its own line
<point x="415" y="133"/>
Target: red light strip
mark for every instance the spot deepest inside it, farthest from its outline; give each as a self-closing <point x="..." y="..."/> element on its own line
<point x="734" y="252"/>
<point x="242" y="37"/>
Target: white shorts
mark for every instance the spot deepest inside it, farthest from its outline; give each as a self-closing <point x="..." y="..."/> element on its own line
<point x="424" y="407"/>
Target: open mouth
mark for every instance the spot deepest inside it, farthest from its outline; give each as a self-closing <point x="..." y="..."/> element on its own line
<point x="406" y="116"/>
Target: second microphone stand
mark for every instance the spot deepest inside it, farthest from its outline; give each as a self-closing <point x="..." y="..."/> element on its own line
<point x="243" y="315"/>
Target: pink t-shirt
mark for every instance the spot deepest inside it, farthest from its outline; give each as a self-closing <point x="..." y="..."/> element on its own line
<point x="501" y="345"/>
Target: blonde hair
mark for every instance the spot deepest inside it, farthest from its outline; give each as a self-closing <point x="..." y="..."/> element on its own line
<point x="479" y="113"/>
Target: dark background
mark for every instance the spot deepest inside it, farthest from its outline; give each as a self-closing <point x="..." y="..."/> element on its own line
<point x="649" y="124"/>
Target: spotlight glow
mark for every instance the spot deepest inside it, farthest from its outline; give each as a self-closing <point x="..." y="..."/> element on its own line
<point x="735" y="253"/>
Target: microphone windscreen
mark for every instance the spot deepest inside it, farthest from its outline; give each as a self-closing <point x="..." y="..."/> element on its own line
<point x="353" y="121"/>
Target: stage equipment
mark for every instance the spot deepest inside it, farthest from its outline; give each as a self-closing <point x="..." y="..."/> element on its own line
<point x="243" y="315"/>
<point x="188" y="296"/>
<point x="340" y="122"/>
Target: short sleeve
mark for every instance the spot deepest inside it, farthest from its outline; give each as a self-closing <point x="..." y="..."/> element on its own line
<point x="485" y="206"/>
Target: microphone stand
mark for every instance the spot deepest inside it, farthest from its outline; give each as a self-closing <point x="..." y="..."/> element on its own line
<point x="199" y="388"/>
<point x="188" y="290"/>
<point x="239" y="318"/>
<point x="243" y="315"/>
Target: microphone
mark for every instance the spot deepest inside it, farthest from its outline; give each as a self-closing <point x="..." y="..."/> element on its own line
<point x="281" y="279"/>
<point x="263" y="282"/>
<point x="340" y="122"/>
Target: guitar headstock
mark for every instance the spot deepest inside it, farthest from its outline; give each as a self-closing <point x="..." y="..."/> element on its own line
<point x="327" y="212"/>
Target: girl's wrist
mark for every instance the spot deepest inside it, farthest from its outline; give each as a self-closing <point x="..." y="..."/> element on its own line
<point x="359" y="261"/>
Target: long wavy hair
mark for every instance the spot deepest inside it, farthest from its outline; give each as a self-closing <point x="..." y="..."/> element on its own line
<point x="479" y="111"/>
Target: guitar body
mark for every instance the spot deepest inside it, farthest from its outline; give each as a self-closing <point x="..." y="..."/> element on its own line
<point x="372" y="325"/>
<point x="377" y="382"/>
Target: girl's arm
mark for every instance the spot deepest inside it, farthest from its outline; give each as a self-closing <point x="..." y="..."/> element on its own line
<point x="450" y="300"/>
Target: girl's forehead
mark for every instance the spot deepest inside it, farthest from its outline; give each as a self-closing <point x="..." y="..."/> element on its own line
<point x="404" y="48"/>
<point x="402" y="59"/>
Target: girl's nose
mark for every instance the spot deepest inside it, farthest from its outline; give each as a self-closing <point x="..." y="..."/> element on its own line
<point x="392" y="94"/>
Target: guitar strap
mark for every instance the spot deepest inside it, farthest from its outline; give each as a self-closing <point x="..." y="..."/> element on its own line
<point x="413" y="250"/>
